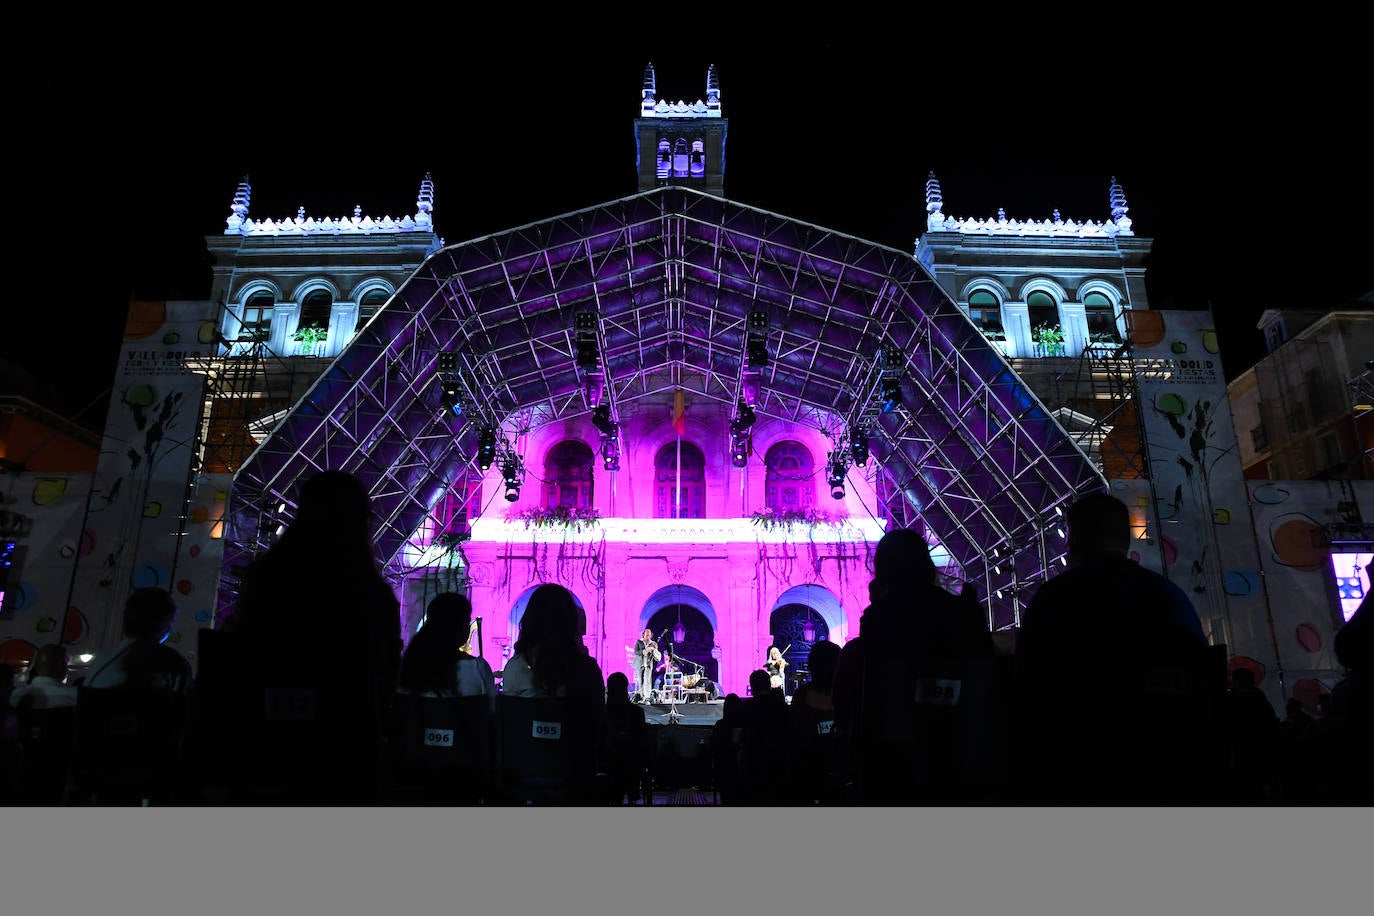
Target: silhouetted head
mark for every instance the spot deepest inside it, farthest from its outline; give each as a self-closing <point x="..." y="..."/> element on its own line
<point x="49" y="661"/>
<point x="149" y="614"/>
<point x="336" y="504"/>
<point x="449" y="614"/>
<point x="821" y="662"/>
<point x="617" y="687"/>
<point x="1098" y="523"/>
<point x="1243" y="678"/>
<point x="759" y="683"/>
<point x="1354" y="642"/>
<point x="902" y="557"/>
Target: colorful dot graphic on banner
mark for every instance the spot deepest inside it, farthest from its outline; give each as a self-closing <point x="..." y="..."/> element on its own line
<point x="1145" y="328"/>
<point x="146" y="318"/>
<point x="141" y="396"/>
<point x="171" y="337"/>
<point x="46" y="625"/>
<point x="77" y="627"/>
<point x="151" y="575"/>
<point x="1240" y="582"/>
<point x="153" y="509"/>
<point x="20" y="596"/>
<point x="1270" y="495"/>
<point x="1297" y="544"/>
<point x="194" y="551"/>
<point x="1170" y="550"/>
<point x="184" y="587"/>
<point x="1178" y="347"/>
<point x="204" y="616"/>
<point x="1245" y="661"/>
<point x="1309" y="637"/>
<point x="1222" y="516"/>
<point x="206" y="332"/>
<point x="1171" y="403"/>
<point x="17" y="653"/>
<point x="1209" y="341"/>
<point x="199" y="515"/>
<point x="48" y="489"/>
<point x="1307" y="691"/>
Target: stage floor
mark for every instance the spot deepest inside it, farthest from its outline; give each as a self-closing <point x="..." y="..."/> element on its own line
<point x="707" y="713"/>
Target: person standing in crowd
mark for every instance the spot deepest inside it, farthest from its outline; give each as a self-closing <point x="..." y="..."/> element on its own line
<point x="897" y="683"/>
<point x="1123" y="649"/>
<point x="647" y="655"/>
<point x="320" y="586"/>
<point x="140" y="658"/>
<point x="434" y="661"/>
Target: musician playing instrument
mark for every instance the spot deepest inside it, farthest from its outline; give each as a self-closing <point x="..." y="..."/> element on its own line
<point x="665" y="667"/>
<point x="647" y="654"/>
<point x="776" y="666"/>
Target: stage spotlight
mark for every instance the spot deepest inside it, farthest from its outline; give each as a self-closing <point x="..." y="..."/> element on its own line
<point x="744" y="418"/>
<point x="587" y="356"/>
<point x="891" y="394"/>
<point x="739" y="450"/>
<point x="858" y="445"/>
<point x="486" y="448"/>
<point x="834" y="475"/>
<point x="449" y="398"/>
<point x="448" y="362"/>
<point x="601" y="419"/>
<point x="610" y="453"/>
<point x="510" y="476"/>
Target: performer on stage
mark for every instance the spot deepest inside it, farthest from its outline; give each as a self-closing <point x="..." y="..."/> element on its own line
<point x="647" y="655"/>
<point x="776" y="667"/>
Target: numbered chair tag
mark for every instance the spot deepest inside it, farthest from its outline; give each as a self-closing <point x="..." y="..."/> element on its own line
<point x="438" y="737"/>
<point x="549" y="731"/>
<point x="825" y="727"/>
<point x="937" y="691"/>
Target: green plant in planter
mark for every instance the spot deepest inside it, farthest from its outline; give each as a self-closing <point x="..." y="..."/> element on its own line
<point x="310" y="335"/>
<point x="572" y="518"/>
<point x="770" y="519"/>
<point x="1051" y="337"/>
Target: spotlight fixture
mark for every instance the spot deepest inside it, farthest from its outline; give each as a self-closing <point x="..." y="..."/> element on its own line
<point x="756" y="340"/>
<point x="587" y="356"/>
<point x="510" y="477"/>
<point x="834" y="475"/>
<point x="890" y="394"/>
<point x="610" y="453"/>
<point x="448" y="362"/>
<point x="449" y="397"/>
<point x="601" y="419"/>
<point x="486" y="448"/>
<point x="739" y="448"/>
<point x="744" y="417"/>
<point x="858" y="445"/>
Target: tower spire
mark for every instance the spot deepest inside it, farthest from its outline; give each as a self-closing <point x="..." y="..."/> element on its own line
<point x="238" y="210"/>
<point x="648" y="94"/>
<point x="935" y="201"/>
<point x="424" y="204"/>
<point x="1119" y="208"/>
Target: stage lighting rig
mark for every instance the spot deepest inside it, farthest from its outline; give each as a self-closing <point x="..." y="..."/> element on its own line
<point x="610" y="453"/>
<point x="858" y="445"/>
<point x="756" y="340"/>
<point x="739" y="448"/>
<point x="835" y="470"/>
<point x="486" y="448"/>
<point x="601" y="419"/>
<point x="511" y="472"/>
<point x="744" y="418"/>
<point x="449" y="397"/>
<point x="588" y="354"/>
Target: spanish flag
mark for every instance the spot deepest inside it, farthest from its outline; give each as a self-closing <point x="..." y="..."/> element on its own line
<point x="679" y="413"/>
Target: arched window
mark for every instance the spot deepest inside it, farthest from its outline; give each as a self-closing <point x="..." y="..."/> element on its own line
<point x="698" y="166"/>
<point x="1046" y="331"/>
<point x="790" y="484"/>
<point x="665" y="159"/>
<point x="680" y="159"/>
<point x="371" y="304"/>
<point x="315" y="309"/>
<point x="689" y="480"/>
<point x="986" y="312"/>
<point x="568" y="475"/>
<point x="1102" y="328"/>
<point x="257" y="317"/>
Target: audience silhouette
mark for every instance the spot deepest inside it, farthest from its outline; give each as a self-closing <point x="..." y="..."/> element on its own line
<point x="1252" y="736"/>
<point x="320" y="616"/>
<point x="434" y="663"/>
<point x="629" y="755"/>
<point x="1112" y="676"/>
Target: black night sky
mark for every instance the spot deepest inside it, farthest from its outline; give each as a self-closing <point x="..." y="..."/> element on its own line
<point x="1245" y="166"/>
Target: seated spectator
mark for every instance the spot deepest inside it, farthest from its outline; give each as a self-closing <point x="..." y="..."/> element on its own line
<point x="434" y="664"/>
<point x="629" y="752"/>
<point x="813" y="764"/>
<point x="1347" y="728"/>
<point x="550" y="659"/>
<point x="45" y="686"/>
<point x="140" y="659"/>
<point x="725" y="739"/>
<point x="763" y="742"/>
<point x="1252" y="733"/>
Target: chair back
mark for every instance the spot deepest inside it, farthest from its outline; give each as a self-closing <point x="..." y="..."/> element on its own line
<point x="128" y="745"/>
<point x="46" y="740"/>
<point x="546" y="750"/>
<point x="440" y="748"/>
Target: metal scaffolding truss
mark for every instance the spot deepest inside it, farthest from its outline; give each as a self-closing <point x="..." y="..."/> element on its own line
<point x="671" y="277"/>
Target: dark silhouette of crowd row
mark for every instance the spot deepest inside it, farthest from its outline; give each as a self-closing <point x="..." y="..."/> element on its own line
<point x="306" y="696"/>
